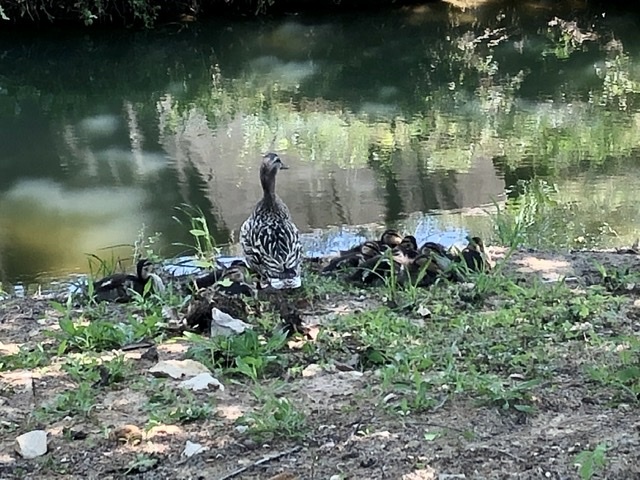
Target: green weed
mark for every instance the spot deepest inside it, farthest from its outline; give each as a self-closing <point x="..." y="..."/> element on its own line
<point x="249" y="354"/>
<point x="26" y="357"/>
<point x="204" y="245"/>
<point x="80" y="400"/>
<point x="83" y="368"/>
<point x="277" y="417"/>
<point x="169" y="406"/>
<point x="591" y="461"/>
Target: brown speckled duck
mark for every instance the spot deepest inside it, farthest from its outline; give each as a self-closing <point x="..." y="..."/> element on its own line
<point x="269" y="238"/>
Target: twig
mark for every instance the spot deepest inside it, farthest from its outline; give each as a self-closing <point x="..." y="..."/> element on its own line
<point x="503" y="452"/>
<point x="265" y="459"/>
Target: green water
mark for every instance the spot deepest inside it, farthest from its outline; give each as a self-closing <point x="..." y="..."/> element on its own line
<point x="419" y="118"/>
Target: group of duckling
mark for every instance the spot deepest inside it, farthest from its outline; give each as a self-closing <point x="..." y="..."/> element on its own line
<point x="399" y="256"/>
<point x="271" y="245"/>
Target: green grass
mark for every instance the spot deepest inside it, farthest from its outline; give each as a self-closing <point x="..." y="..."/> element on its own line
<point x="26" y="358"/>
<point x="251" y="354"/>
<point x="277" y="417"/>
<point x="168" y="405"/>
<point x="78" y="401"/>
<point x="498" y="347"/>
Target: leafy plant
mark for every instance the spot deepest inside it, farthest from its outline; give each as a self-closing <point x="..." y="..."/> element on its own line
<point x="204" y="245"/>
<point x="171" y="406"/>
<point x="277" y="417"/>
<point x="248" y="354"/>
<point x="590" y="461"/>
<point x="83" y="368"/>
<point x="75" y="401"/>
<point x="84" y="336"/>
<point x="26" y="357"/>
<point x="525" y="218"/>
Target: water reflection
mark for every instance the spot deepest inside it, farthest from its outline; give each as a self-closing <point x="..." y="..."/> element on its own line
<point x="383" y="118"/>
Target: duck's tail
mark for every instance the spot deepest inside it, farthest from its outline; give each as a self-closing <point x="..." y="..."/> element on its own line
<point x="290" y="278"/>
<point x="284" y="283"/>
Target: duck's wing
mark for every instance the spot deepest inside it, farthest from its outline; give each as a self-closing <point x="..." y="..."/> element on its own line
<point x="271" y="245"/>
<point x="110" y="282"/>
<point x="343" y="261"/>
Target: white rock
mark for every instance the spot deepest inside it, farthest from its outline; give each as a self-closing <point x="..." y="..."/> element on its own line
<point x="311" y="370"/>
<point x="423" y="311"/>
<point x="32" y="444"/>
<point x="242" y="428"/>
<point x="202" y="381"/>
<point x="422" y="474"/>
<point x="224" y="324"/>
<point x="178" y="369"/>
<point x="190" y="449"/>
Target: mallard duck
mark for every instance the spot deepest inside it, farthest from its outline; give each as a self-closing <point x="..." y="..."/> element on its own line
<point x="269" y="238"/>
<point x="117" y="287"/>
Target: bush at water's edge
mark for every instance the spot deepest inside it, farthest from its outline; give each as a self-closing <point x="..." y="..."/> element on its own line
<point x="148" y="13"/>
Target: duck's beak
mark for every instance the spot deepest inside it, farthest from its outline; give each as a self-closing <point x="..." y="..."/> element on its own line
<point x="284" y="166"/>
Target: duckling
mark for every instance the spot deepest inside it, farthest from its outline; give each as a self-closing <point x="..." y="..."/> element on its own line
<point x="475" y="256"/>
<point x="117" y="287"/>
<point x="380" y="266"/>
<point x="269" y="238"/>
<point x="409" y="244"/>
<point x="389" y="239"/>
<point x="350" y="260"/>
<point x="441" y="259"/>
<point x="423" y="271"/>
<point x="234" y="280"/>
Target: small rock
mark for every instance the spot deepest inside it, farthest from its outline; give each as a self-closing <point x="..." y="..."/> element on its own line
<point x="224" y="324"/>
<point x="178" y="369"/>
<point x="242" y="428"/>
<point x="422" y="474"/>
<point x="311" y="370"/>
<point x="32" y="444"/>
<point x="423" y="311"/>
<point x="202" y="382"/>
<point x="190" y="449"/>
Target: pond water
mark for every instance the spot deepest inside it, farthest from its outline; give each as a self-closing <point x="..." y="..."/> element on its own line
<point x="420" y="117"/>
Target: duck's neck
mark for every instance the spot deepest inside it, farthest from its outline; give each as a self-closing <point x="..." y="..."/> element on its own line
<point x="268" y="182"/>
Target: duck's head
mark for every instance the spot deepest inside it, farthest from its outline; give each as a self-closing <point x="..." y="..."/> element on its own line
<point x="237" y="272"/>
<point x="144" y="267"/>
<point x="370" y="249"/>
<point x="476" y="244"/>
<point x="391" y="238"/>
<point x="409" y="243"/>
<point x="271" y="163"/>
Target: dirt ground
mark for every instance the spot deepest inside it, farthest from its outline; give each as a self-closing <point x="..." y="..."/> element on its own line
<point x="351" y="435"/>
